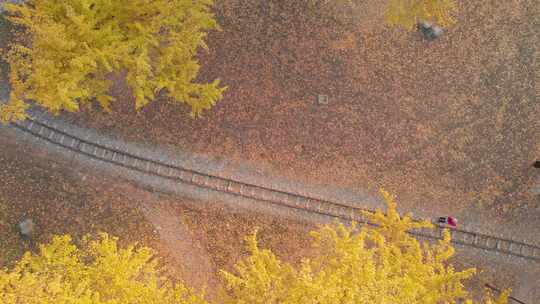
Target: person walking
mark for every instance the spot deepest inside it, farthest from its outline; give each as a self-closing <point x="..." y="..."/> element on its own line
<point x="448" y="220"/>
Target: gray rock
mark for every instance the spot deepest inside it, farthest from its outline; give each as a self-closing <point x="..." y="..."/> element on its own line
<point x="424" y="25"/>
<point x="436" y="32"/>
<point x="26" y="228"/>
<point x="429" y="30"/>
<point x="322" y="99"/>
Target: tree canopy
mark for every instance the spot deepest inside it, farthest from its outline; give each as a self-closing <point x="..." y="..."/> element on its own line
<point x="96" y="272"/>
<point x="69" y="48"/>
<point x="370" y="265"/>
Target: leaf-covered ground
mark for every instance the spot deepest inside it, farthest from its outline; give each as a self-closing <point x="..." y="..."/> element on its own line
<point x="58" y="203"/>
<point x="449" y="125"/>
<point x="193" y="239"/>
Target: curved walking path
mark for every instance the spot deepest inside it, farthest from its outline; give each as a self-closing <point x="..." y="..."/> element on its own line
<point x="203" y="178"/>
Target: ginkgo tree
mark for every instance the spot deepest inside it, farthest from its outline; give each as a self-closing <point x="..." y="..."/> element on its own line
<point x="97" y="272"/>
<point x="383" y="264"/>
<point x="370" y="265"/>
<point x="68" y="50"/>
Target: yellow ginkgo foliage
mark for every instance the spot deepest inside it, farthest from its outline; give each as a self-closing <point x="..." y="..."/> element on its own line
<point x="69" y="48"/>
<point x="97" y="272"/>
<point x="407" y="13"/>
<point x="369" y="265"/>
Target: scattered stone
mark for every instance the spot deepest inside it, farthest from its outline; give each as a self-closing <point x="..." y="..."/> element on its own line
<point x="26" y="228"/>
<point x="322" y="99"/>
<point x="429" y="30"/>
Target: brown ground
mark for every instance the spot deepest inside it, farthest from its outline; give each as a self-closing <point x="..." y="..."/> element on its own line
<point x="446" y="125"/>
<point x="449" y="124"/>
<point x="193" y="240"/>
<point x="194" y="243"/>
<point x="58" y="203"/>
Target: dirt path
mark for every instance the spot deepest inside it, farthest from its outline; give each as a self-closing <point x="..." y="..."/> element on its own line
<point x="179" y="243"/>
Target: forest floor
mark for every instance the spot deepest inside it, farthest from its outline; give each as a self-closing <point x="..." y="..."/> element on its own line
<point x="450" y="126"/>
<point x="193" y="240"/>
